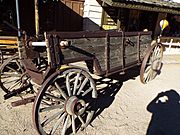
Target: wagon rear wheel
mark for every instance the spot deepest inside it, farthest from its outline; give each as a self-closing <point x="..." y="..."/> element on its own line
<point x="152" y="63"/>
<point x="65" y="102"/>
<point x="10" y="74"/>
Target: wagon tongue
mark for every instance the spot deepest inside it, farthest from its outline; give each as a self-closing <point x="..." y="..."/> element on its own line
<point x="17" y="91"/>
<point x="23" y="101"/>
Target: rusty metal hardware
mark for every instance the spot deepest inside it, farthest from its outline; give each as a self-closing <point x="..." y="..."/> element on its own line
<point x="129" y="42"/>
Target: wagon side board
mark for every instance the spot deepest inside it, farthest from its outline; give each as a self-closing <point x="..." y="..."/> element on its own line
<point x="109" y="51"/>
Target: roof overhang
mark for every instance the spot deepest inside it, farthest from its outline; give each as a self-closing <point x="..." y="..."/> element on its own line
<point x="165" y="7"/>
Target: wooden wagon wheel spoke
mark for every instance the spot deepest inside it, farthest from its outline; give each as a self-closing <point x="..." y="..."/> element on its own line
<point x="19" y="65"/>
<point x="49" y="101"/>
<point x="44" y="102"/>
<point x="82" y="121"/>
<point x="89" y="116"/>
<point x="54" y="97"/>
<point x="15" y="84"/>
<point x="52" y="107"/>
<point x="148" y="69"/>
<point x="65" y="125"/>
<point x="57" y="124"/>
<point x="152" y="63"/>
<point x="87" y="91"/>
<point x="10" y="81"/>
<point x="48" y="119"/>
<point x="11" y="69"/>
<point x="68" y="85"/>
<point x="73" y="124"/>
<point x="157" y="53"/>
<point x="158" y="50"/>
<point x="151" y="75"/>
<point x="61" y="91"/>
<point x="7" y="75"/>
<point x="148" y="77"/>
<point x="82" y="86"/>
<point x="76" y="82"/>
<point x="79" y="105"/>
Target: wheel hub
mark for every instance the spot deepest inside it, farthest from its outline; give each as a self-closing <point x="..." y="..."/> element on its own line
<point x="75" y="106"/>
<point x="156" y="65"/>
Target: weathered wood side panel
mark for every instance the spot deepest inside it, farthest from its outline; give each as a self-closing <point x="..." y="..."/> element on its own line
<point x="116" y="55"/>
<point x="130" y="49"/>
<point x="145" y="41"/>
<point x="86" y="47"/>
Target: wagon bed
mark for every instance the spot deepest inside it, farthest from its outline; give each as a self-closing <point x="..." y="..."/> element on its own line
<point x="107" y="51"/>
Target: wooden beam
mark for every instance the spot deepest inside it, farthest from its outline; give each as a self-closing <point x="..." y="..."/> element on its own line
<point x="9" y="42"/>
<point x="143" y="7"/>
<point x="36" y="17"/>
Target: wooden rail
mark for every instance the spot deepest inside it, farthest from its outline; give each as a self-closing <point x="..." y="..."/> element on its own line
<point x="8" y="46"/>
<point x="172" y="44"/>
<point x="8" y="42"/>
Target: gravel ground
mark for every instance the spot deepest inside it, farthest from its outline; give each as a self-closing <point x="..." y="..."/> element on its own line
<point x="125" y="108"/>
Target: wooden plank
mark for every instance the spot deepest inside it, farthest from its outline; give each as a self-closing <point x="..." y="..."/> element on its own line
<point x="90" y="47"/>
<point x="5" y="41"/>
<point x="8" y="47"/>
<point x="8" y="37"/>
<point x="145" y="41"/>
<point x="8" y="42"/>
<point x="130" y="49"/>
<point x="116" y="57"/>
<point x="171" y="45"/>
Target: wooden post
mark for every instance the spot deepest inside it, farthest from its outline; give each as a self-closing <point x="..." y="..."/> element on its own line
<point x="107" y="53"/>
<point x="36" y="17"/>
<point x="118" y="20"/>
<point x="18" y="19"/>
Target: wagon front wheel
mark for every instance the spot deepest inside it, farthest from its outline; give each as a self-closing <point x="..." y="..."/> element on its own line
<point x="152" y="63"/>
<point x="65" y="103"/>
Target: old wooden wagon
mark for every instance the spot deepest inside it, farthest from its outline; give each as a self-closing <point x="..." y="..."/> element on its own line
<point x="66" y="99"/>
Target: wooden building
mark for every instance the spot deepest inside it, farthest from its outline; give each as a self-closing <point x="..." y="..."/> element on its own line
<point x="8" y="13"/>
<point x="54" y="15"/>
<point x="77" y="15"/>
<point x="135" y="15"/>
<point x="61" y="15"/>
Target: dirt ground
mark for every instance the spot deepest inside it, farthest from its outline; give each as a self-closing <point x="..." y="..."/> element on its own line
<point x="125" y="108"/>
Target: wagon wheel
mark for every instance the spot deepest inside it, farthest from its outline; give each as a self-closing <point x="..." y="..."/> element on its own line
<point x="65" y="102"/>
<point x="152" y="63"/>
<point x="10" y="74"/>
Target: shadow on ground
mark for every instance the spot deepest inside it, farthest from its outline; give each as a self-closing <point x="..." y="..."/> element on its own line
<point x="165" y="109"/>
<point x="131" y="73"/>
<point x="112" y="85"/>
